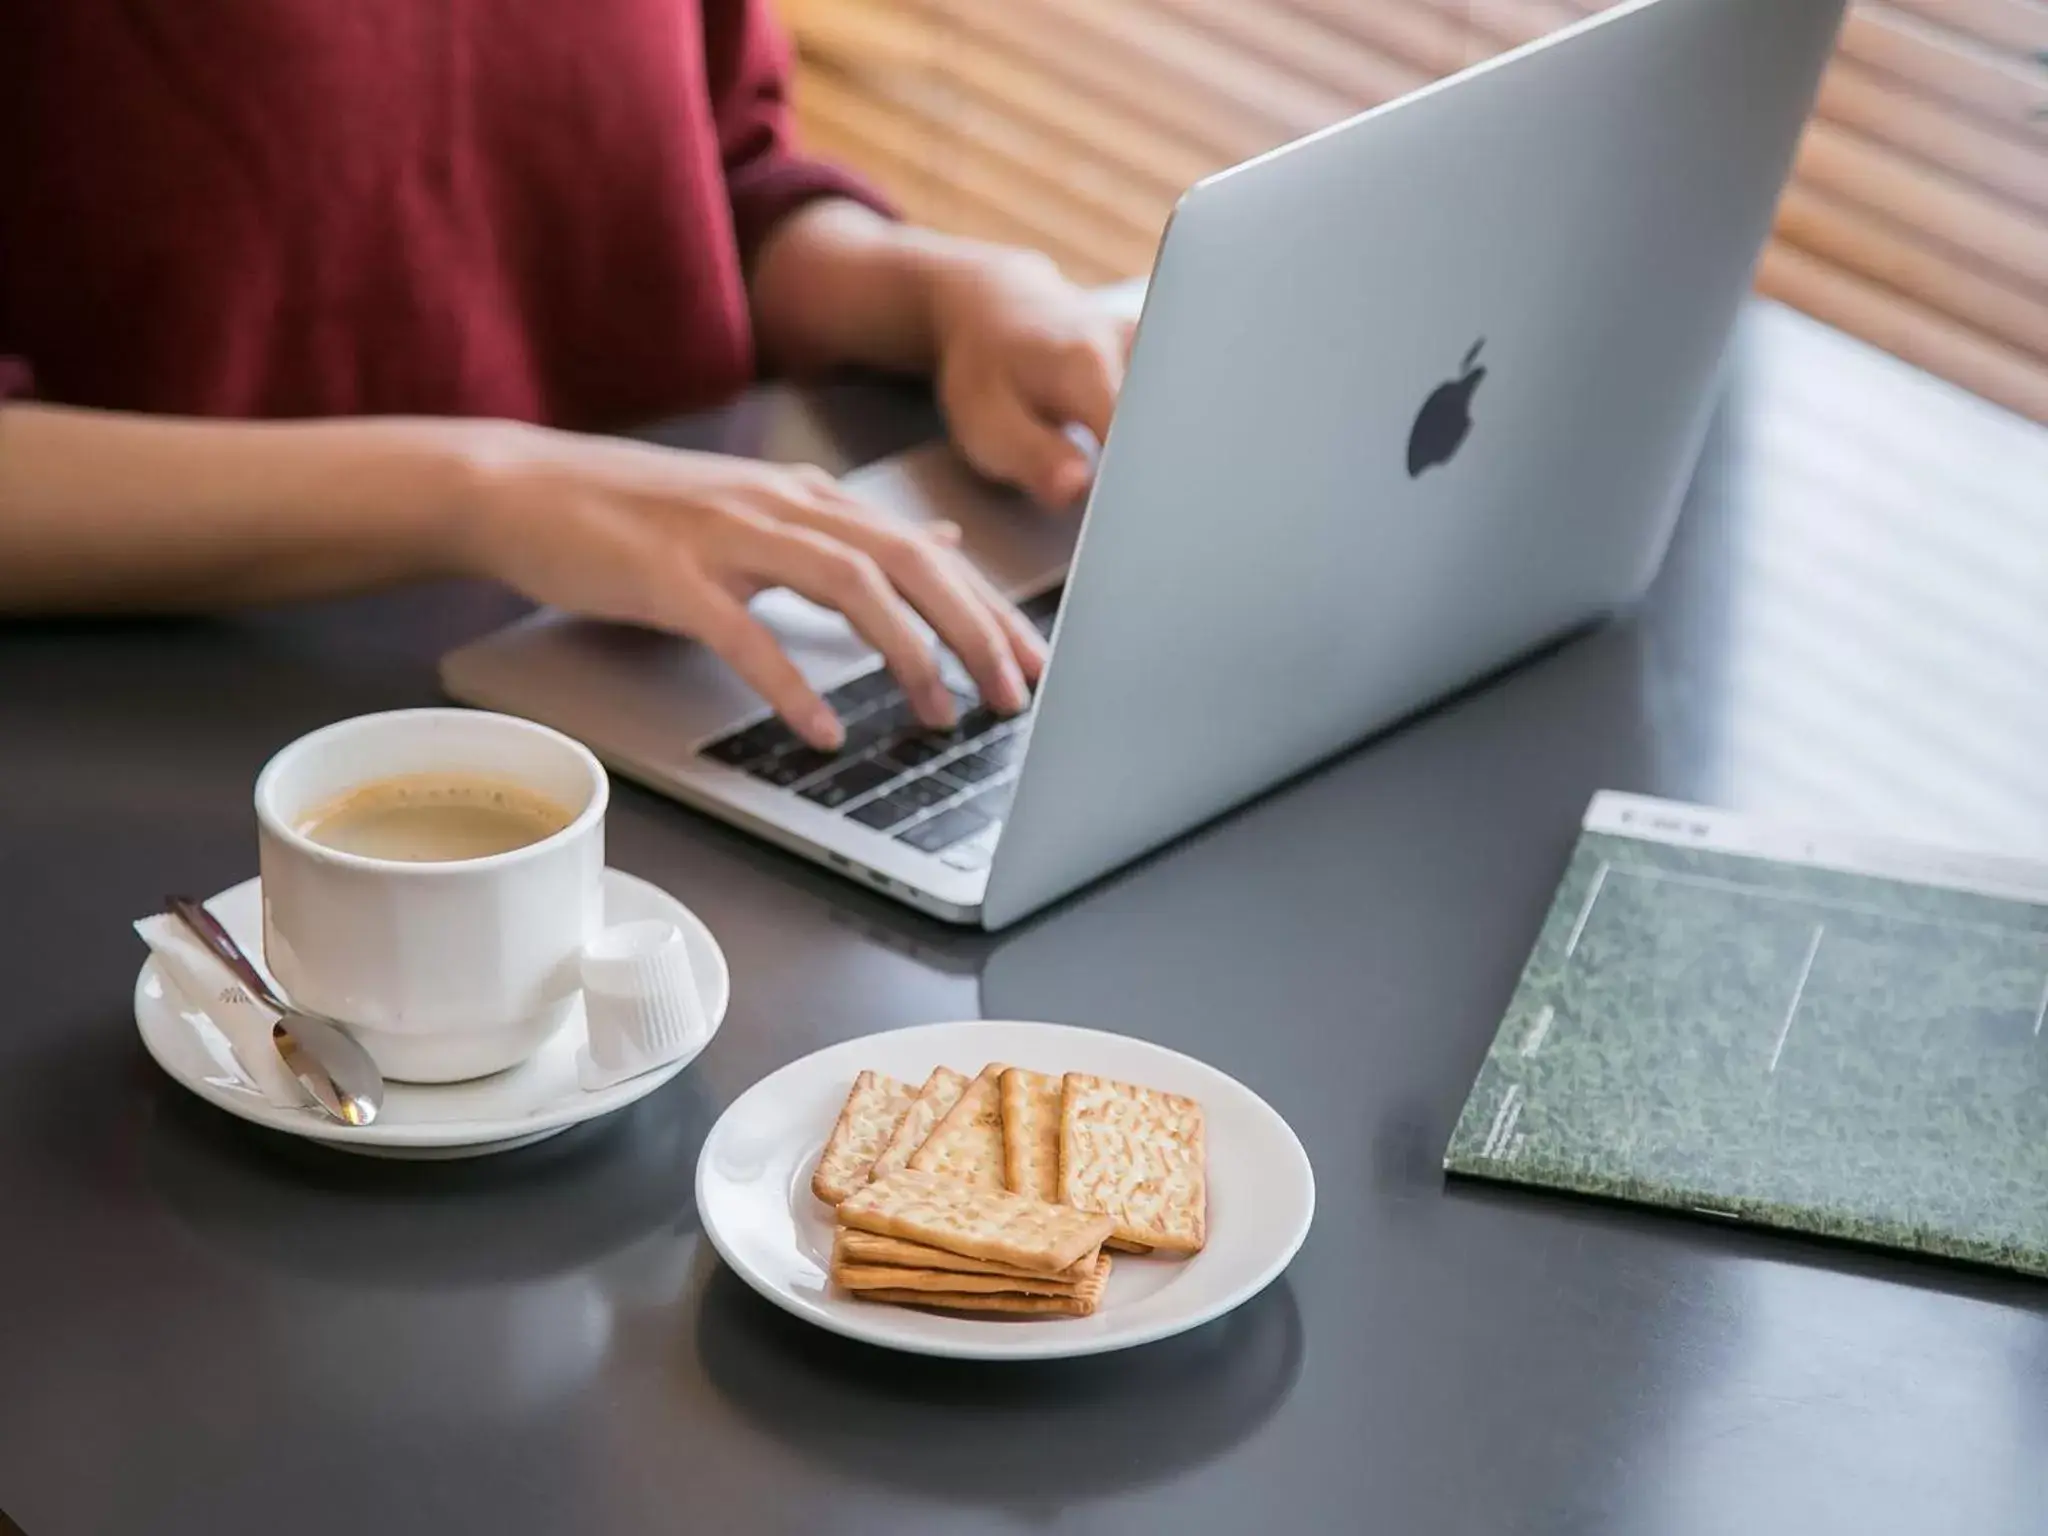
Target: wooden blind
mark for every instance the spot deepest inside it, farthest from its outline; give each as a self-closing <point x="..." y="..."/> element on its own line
<point x="1917" y="218"/>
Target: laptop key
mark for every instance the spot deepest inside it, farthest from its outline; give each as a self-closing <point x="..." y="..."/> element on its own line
<point x="944" y="829"/>
<point x="903" y="802"/>
<point x="978" y="721"/>
<point x="869" y="688"/>
<point x="849" y="783"/>
<point x="756" y="741"/>
<point x="974" y="767"/>
<point x="882" y="813"/>
<point x="786" y="768"/>
<point x="1005" y="749"/>
<point x="916" y="749"/>
<point x="927" y="791"/>
<point x="876" y="726"/>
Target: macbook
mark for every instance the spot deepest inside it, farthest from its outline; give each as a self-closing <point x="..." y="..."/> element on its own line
<point x="1409" y="398"/>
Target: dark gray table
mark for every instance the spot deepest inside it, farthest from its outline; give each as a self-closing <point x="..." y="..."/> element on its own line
<point x="206" y="1329"/>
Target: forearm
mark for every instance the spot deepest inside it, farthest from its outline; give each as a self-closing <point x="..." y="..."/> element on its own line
<point x="102" y="511"/>
<point x="838" y="285"/>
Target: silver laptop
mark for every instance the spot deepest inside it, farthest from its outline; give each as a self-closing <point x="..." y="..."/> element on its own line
<point x="1410" y="397"/>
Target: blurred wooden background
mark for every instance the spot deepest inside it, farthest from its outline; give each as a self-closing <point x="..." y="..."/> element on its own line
<point x="1917" y="219"/>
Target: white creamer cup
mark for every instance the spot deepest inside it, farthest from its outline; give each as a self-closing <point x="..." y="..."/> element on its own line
<point x="444" y="971"/>
<point x="641" y="1006"/>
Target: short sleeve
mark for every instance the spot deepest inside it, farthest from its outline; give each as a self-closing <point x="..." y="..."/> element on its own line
<point x="747" y="59"/>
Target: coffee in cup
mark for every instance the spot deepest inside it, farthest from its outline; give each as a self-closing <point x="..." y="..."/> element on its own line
<point x="433" y="818"/>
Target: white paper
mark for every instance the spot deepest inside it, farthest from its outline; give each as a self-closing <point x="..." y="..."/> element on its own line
<point x="210" y="987"/>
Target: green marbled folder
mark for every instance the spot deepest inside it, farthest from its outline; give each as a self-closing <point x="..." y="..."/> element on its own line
<point x="1836" y="1034"/>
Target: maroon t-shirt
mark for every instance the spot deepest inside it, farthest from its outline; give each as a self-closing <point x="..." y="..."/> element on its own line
<point x="537" y="209"/>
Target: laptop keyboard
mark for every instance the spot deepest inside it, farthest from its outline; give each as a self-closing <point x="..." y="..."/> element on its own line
<point x="945" y="793"/>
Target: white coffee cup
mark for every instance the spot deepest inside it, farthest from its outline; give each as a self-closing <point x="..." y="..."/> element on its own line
<point x="444" y="971"/>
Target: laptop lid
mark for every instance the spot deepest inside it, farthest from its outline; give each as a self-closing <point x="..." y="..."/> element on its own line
<point x="1409" y="397"/>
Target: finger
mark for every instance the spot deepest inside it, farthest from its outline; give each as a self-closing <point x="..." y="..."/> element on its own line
<point x="941" y="586"/>
<point x="1027" y="645"/>
<point x="1006" y="442"/>
<point x="840" y="576"/>
<point x="750" y="649"/>
<point x="1074" y="381"/>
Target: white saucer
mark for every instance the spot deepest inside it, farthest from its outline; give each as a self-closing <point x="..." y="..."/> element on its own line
<point x="537" y="1099"/>
<point x="755" y="1200"/>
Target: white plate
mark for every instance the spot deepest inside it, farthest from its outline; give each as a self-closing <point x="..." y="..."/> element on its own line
<point x="535" y="1099"/>
<point x="755" y="1200"/>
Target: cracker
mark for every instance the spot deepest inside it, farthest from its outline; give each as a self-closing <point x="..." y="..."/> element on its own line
<point x="1139" y="1156"/>
<point x="886" y="1277"/>
<point x="961" y="1301"/>
<point x="852" y="1272"/>
<point x="871" y="1112"/>
<point x="968" y="1144"/>
<point x="941" y="1091"/>
<point x="868" y="1248"/>
<point x="974" y="1220"/>
<point x="1125" y="1245"/>
<point x="1031" y="1134"/>
<point x="1082" y="1303"/>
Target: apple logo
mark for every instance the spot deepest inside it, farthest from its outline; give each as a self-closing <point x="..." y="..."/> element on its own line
<point x="1446" y="417"/>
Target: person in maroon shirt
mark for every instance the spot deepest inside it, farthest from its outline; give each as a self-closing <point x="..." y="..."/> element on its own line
<point x="301" y="298"/>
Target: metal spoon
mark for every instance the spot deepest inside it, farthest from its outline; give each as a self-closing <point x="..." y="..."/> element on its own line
<point x="320" y="1053"/>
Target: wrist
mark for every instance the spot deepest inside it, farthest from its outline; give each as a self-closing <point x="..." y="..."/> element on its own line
<point x="457" y="493"/>
<point x="959" y="277"/>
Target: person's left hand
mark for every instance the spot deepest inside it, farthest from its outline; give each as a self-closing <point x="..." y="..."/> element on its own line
<point x="1023" y="356"/>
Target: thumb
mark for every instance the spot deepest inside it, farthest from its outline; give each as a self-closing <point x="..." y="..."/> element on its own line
<point x="1008" y="442"/>
<point x="1075" y="382"/>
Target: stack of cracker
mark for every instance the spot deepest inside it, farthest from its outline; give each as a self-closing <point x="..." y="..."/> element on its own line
<point x="998" y="1193"/>
<point x="927" y="1240"/>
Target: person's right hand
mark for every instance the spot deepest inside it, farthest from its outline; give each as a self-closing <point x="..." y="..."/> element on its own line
<point x="680" y="541"/>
